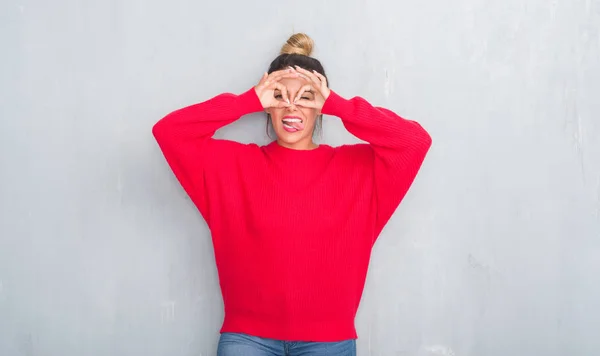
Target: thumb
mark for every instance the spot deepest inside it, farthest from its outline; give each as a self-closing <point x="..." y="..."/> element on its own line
<point x="282" y="104"/>
<point x="263" y="79"/>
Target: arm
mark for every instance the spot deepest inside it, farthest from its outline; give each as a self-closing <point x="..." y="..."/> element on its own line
<point x="399" y="147"/>
<point x="185" y="135"/>
<point x="185" y="138"/>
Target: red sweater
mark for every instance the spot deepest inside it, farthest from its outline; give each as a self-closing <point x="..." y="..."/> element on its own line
<point x="293" y="230"/>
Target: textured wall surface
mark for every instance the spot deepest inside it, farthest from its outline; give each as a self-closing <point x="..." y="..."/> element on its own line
<point x="495" y="250"/>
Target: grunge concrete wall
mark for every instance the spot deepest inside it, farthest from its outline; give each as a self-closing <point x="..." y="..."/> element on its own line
<point x="495" y="250"/>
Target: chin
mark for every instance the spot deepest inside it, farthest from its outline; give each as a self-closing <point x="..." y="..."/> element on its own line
<point x="290" y="138"/>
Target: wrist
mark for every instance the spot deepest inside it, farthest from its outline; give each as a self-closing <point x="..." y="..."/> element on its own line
<point x="335" y="104"/>
<point x="249" y="102"/>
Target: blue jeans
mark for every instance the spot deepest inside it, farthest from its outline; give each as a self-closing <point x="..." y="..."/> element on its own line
<point x="233" y="344"/>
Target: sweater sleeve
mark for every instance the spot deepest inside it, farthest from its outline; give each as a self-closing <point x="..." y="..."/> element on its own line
<point x="398" y="147"/>
<point x="185" y="138"/>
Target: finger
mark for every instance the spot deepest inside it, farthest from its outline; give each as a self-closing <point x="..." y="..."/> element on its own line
<point x="276" y="78"/>
<point x="311" y="75"/>
<point x="302" y="90"/>
<point x="282" y="104"/>
<point x="284" y="94"/>
<point x="276" y="75"/>
<point x="285" y="75"/>
<point x="299" y="74"/>
<point x="277" y="85"/>
<point x="317" y="83"/>
<point x="263" y="79"/>
<point x="296" y="74"/>
<point x="321" y="77"/>
<point x="282" y="72"/>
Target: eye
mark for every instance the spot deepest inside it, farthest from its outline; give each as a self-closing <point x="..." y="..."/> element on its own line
<point x="278" y="96"/>
<point x="306" y="98"/>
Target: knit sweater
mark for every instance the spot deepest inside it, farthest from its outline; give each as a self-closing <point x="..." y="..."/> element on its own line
<point x="293" y="230"/>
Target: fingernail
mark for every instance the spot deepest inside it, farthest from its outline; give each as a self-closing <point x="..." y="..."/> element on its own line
<point x="288" y="100"/>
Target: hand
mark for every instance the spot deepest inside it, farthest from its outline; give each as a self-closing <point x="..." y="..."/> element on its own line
<point x="265" y="89"/>
<point x="317" y="85"/>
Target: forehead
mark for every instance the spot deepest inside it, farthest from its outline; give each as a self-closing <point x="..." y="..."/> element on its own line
<point x="293" y="84"/>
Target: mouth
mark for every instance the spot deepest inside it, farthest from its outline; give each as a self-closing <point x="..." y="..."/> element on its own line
<point x="292" y="123"/>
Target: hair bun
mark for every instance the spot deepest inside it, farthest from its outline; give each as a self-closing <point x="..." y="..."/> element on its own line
<point x="298" y="43"/>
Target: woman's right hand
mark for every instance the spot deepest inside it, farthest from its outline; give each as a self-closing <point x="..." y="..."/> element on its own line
<point x="265" y="89"/>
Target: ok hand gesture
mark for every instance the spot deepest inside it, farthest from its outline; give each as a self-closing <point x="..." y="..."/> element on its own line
<point x="317" y="84"/>
<point x="265" y="89"/>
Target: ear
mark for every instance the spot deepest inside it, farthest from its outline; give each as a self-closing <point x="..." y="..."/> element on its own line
<point x="268" y="111"/>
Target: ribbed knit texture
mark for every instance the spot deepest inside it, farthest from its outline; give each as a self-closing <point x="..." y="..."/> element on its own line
<point x="293" y="230"/>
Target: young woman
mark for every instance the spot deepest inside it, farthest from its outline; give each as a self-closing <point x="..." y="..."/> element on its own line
<point x="293" y="222"/>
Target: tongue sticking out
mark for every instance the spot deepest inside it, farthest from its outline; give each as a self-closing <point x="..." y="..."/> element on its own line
<point x="293" y="125"/>
<point x="297" y="125"/>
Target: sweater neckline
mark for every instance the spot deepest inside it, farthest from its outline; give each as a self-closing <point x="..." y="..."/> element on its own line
<point x="277" y="151"/>
<point x="298" y="164"/>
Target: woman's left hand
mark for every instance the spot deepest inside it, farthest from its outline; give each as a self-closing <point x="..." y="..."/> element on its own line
<point x="317" y="84"/>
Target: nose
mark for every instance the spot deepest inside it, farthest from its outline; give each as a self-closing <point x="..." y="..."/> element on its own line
<point x="292" y="108"/>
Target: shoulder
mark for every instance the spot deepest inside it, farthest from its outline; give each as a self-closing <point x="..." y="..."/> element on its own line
<point x="233" y="146"/>
<point x="227" y="151"/>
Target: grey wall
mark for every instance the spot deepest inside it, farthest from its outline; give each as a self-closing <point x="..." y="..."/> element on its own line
<point x="495" y="250"/>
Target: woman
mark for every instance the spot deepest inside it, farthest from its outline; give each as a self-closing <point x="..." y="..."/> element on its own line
<point x="293" y="222"/>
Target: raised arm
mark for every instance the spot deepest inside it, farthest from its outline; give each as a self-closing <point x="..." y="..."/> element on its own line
<point x="398" y="146"/>
<point x="185" y="135"/>
<point x="185" y="138"/>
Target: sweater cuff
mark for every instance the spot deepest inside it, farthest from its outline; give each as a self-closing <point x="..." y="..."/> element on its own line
<point x="336" y="105"/>
<point x="248" y="102"/>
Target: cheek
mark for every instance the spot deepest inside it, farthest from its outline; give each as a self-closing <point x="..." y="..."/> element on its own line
<point x="276" y="114"/>
<point x="310" y="114"/>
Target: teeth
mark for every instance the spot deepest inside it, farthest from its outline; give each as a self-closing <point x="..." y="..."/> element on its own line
<point x="292" y="120"/>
